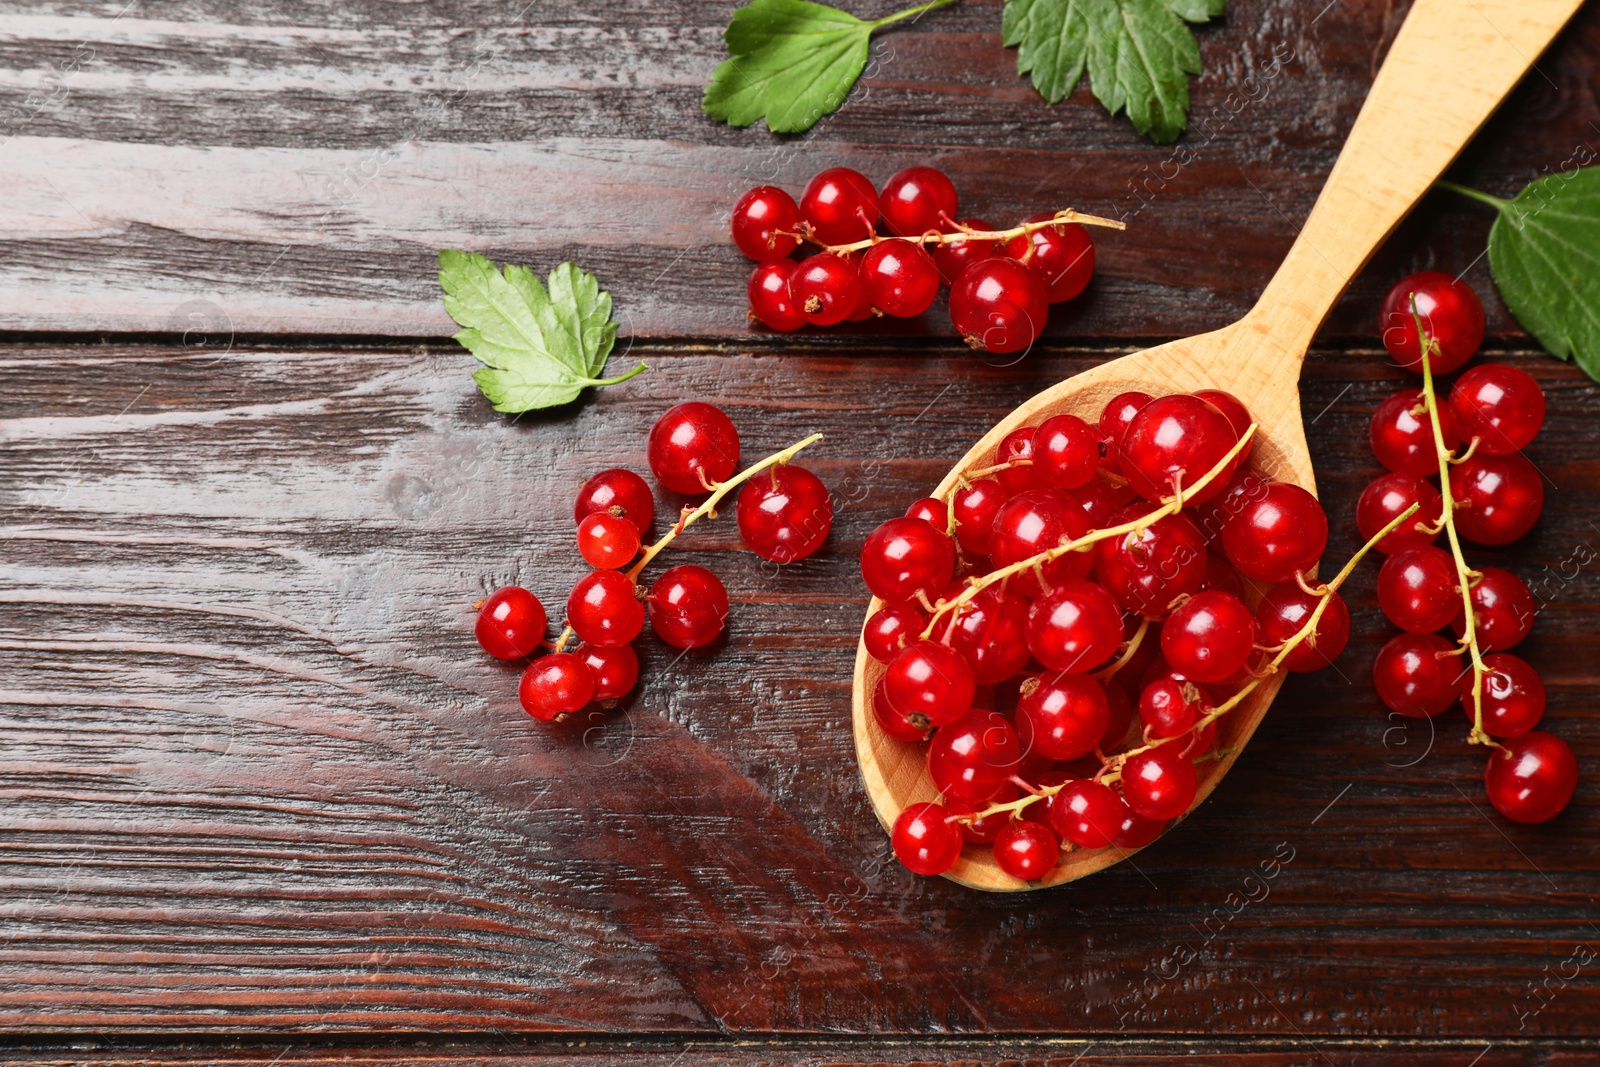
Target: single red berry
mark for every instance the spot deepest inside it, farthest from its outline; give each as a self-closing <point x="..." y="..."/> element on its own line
<point x="1148" y="569"/>
<point x="785" y="513"/>
<point x="688" y="606"/>
<point x="771" y="302"/>
<point x="970" y="759"/>
<point x="954" y="257"/>
<point x="991" y="631"/>
<point x="899" y="277"/>
<point x="924" y="839"/>
<point x="1513" y="695"/>
<point x="614" y="670"/>
<point x="1075" y="627"/>
<point x="607" y="541"/>
<point x="1503" y="407"/>
<point x="511" y="623"/>
<point x="693" y="444"/>
<point x="1503" y="608"/>
<point x="1026" y="850"/>
<point x="891" y="628"/>
<point x="916" y="200"/>
<point x="1137" y="831"/>
<point x="615" y="490"/>
<point x="1417" y="589"/>
<point x="1098" y="500"/>
<point x="932" y="509"/>
<point x="1417" y="675"/>
<point x="1386" y="499"/>
<point x="1171" y="705"/>
<point x="1451" y="315"/>
<point x="1160" y="783"/>
<point x="905" y="557"/>
<point x="1087" y="813"/>
<point x="1062" y="716"/>
<point x="890" y="719"/>
<point x="975" y="507"/>
<point x="1061" y="255"/>
<point x="826" y="288"/>
<point x="1016" y="448"/>
<point x="1118" y="415"/>
<point x="757" y="218"/>
<point x="841" y="206"/>
<point x="1120" y="719"/>
<point x="1066" y="452"/>
<point x="1278" y="535"/>
<point x="1241" y="490"/>
<point x="1221" y="576"/>
<point x="1498" y="498"/>
<point x="1402" y="434"/>
<point x="555" y="685"/>
<point x="604" y="610"/>
<point x="1176" y="439"/>
<point x="931" y="683"/>
<point x="998" y="305"/>
<point x="984" y="831"/>
<point x="1286" y="609"/>
<point x="1234" y="411"/>
<point x="1209" y="638"/>
<point x="1033" y="522"/>
<point x="1534" y="780"/>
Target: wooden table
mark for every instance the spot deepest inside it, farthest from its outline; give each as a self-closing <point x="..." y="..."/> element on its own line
<point x="263" y="799"/>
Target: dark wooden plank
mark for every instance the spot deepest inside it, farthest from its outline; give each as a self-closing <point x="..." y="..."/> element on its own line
<point x="293" y="168"/>
<point x="256" y="776"/>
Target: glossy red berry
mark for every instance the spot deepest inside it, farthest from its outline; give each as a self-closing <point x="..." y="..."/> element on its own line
<point x="1030" y="523"/>
<point x="617" y="490"/>
<point x="771" y="302"/>
<point x="511" y="623"/>
<point x="1160" y="783"/>
<point x="613" y="670"/>
<point x="1062" y="716"/>
<point x="1286" y="609"/>
<point x="1098" y="500"/>
<point x="1401" y="434"/>
<point x="555" y="685"/>
<point x="1417" y="675"/>
<point x="1417" y="589"/>
<point x="1386" y="499"/>
<point x="840" y="205"/>
<point x="891" y="628"/>
<point x="1244" y="488"/>
<point x="931" y="509"/>
<point x="899" y="277"/>
<point x="826" y="288"/>
<point x="1066" y="452"/>
<point x="890" y="719"/>
<point x="1087" y="813"/>
<point x="924" y="839"/>
<point x="785" y="513"/>
<point x="1503" y="407"/>
<point x="1176" y="439"/>
<point x="758" y="216"/>
<point x="1075" y="627"/>
<point x="1209" y="638"/>
<point x="1061" y="255"/>
<point x="1148" y="569"/>
<point x="975" y="508"/>
<point x="1513" y="695"/>
<point x="1170" y="706"/>
<point x="1136" y="831"/>
<point x="970" y="759"/>
<point x="906" y="556"/>
<point x="1498" y="498"/>
<point x="1533" y="781"/>
<point x="1279" y="534"/>
<point x="688" y="606"/>
<point x="604" y="610"/>
<point x="1503" y="608"/>
<point x="991" y="631"/>
<point x="607" y="541"/>
<point x="916" y="200"/>
<point x="691" y="444"/>
<point x="1016" y="449"/>
<point x="954" y="257"/>
<point x="1026" y="850"/>
<point x="930" y="683"/>
<point x="1118" y="415"/>
<point x="1234" y="411"/>
<point x="1451" y="315"/>
<point x="998" y="305"/>
<point x="1221" y="576"/>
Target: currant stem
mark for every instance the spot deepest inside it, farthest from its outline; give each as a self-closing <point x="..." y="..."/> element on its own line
<point x="909" y="13"/>
<point x="709" y="505"/>
<point x="1127" y="653"/>
<point x="964" y="234"/>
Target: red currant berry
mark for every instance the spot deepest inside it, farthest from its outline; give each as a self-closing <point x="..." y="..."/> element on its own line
<point x="1098" y="501"/>
<point x="1286" y="609"/>
<point x="771" y="303"/>
<point x="1026" y="850"/>
<point x="998" y="305"/>
<point x="1386" y="499"/>
<point x="826" y="288"/>
<point x="1402" y="434"/>
<point x="1120" y="718"/>
<point x="614" y="670"/>
<point x="984" y="831"/>
<point x="1159" y="783"/>
<point x="1417" y="675"/>
<point x="1176" y="439"/>
<point x="1066" y="452"/>
<point x="841" y="206"/>
<point x="617" y="490"/>
<point x="891" y="628"/>
<point x="1118" y="416"/>
<point x="1417" y="589"/>
<point x="1061" y="255"/>
<point x="688" y="606"/>
<point x="693" y="444"/>
<point x="1501" y="406"/>
<point x="975" y="508"/>
<point x="924" y="839"/>
<point x="992" y="633"/>
<point x="1209" y="637"/>
<point x="899" y="277"/>
<point x="1137" y="831"/>
<point x="969" y="760"/>
<point x="932" y="684"/>
<point x="889" y="718"/>
<point x="1148" y="569"/>
<point x="1221" y="576"/>
<point x="785" y="513"/>
<point x="1030" y="523"/>
<point x="555" y="685"/>
<point x="1170" y="706"/>
<point x="1451" y="315"/>
<point x="1234" y="411"/>
<point x="1075" y="627"/>
<point x="916" y="200"/>
<point x="905" y="557"/>
<point x="511" y="623"/>
<point x="863" y="309"/>
<point x="1503" y="610"/>
<point x="1513" y="695"/>
<point x="954" y="257"/>
<point x="931" y="509"/>
<point x="604" y="610"/>
<point x="1062" y="716"/>
<point x="1498" y="498"/>
<point x="1016" y="448"/>
<point x="606" y="541"/>
<point x="1278" y="535"/>
<point x="758" y="216"/>
<point x="1242" y="489"/>
<point x="1534" y="780"/>
<point x="1087" y="813"/>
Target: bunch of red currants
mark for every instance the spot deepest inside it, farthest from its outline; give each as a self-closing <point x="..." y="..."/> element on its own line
<point x="784" y="514"/>
<point x="1014" y="614"/>
<point x="1462" y="461"/>
<point x="1001" y="282"/>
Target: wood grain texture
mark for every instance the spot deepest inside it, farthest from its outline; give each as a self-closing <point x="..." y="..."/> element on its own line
<point x="258" y="778"/>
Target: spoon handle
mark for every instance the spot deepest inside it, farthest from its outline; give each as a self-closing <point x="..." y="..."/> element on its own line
<point x="1450" y="66"/>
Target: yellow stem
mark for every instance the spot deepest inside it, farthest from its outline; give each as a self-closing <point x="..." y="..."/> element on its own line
<point x="965" y="234"/>
<point x="1127" y="653"/>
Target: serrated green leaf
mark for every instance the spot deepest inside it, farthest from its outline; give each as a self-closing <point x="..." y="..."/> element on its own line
<point x="789" y="62"/>
<point x="527" y="387"/>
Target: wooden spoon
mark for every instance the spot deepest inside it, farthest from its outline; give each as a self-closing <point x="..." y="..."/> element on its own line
<point x="1451" y="65"/>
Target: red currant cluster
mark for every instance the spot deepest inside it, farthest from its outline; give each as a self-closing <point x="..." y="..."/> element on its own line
<point x="1488" y="494"/>
<point x="784" y="514"/>
<point x="1002" y="282"/>
<point x="1014" y="617"/>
